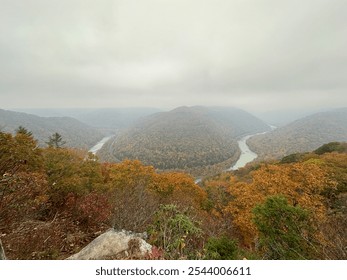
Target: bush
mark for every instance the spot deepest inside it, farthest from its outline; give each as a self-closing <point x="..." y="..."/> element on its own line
<point x="90" y="210"/>
<point x="221" y="248"/>
<point x="331" y="147"/>
<point x="285" y="230"/>
<point x="176" y="233"/>
<point x="293" y="158"/>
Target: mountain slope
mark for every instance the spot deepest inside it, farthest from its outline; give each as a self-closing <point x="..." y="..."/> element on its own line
<point x="185" y="137"/>
<point x="303" y="135"/>
<point x="107" y="118"/>
<point x="237" y="121"/>
<point x="75" y="133"/>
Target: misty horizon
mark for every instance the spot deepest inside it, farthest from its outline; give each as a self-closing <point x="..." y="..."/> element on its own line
<point x="272" y="117"/>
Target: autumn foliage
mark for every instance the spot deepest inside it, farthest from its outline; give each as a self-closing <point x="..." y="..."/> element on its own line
<point x="315" y="183"/>
<point x="67" y="197"/>
<point x="301" y="183"/>
<point x="53" y="201"/>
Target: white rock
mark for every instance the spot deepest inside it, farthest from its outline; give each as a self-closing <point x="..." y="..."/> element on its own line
<point x="113" y="243"/>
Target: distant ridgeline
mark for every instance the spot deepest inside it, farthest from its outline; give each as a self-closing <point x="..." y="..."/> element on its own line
<point x="186" y="137"/>
<point x="302" y="135"/>
<point x="75" y="133"/>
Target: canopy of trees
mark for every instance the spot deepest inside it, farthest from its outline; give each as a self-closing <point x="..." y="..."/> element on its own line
<point x="302" y="135"/>
<point x="55" y="201"/>
<point x="186" y="137"/>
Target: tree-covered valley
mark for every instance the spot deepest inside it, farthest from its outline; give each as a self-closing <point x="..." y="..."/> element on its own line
<point x="54" y="200"/>
<point x="76" y="133"/>
<point x="186" y="138"/>
<point x="304" y="134"/>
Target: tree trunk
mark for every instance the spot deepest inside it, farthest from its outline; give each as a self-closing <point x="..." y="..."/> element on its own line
<point x="2" y="252"/>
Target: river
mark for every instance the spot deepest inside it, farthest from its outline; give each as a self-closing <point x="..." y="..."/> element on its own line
<point x="246" y="154"/>
<point x="99" y="145"/>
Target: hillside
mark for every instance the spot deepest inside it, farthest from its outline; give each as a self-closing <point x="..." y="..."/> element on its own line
<point x="75" y="133"/>
<point x="106" y="118"/>
<point x="302" y="135"/>
<point x="185" y="137"/>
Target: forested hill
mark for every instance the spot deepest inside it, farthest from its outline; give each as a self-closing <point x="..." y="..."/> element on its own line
<point x="302" y="135"/>
<point x="106" y="118"/>
<point x="238" y="121"/>
<point x="75" y="133"/>
<point x="185" y="137"/>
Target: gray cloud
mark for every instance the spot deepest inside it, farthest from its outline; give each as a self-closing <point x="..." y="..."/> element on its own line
<point x="256" y="54"/>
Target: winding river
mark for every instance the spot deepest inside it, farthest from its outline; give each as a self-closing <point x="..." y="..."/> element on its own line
<point x="246" y="154"/>
<point x="99" y="145"/>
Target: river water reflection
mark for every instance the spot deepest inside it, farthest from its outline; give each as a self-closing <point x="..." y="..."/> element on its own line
<point x="99" y="145"/>
<point x="246" y="154"/>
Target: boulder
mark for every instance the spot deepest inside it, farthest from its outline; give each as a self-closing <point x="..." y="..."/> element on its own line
<point x="114" y="245"/>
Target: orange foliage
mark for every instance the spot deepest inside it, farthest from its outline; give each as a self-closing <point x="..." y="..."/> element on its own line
<point x="300" y="183"/>
<point x="177" y="188"/>
<point x="137" y="191"/>
<point x="128" y="173"/>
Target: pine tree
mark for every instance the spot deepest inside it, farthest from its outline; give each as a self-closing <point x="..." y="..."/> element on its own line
<point x="23" y="130"/>
<point x="55" y="141"/>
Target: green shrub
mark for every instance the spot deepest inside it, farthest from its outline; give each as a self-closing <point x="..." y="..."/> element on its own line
<point x="285" y="231"/>
<point x="175" y="232"/>
<point x="331" y="147"/>
<point x="221" y="248"/>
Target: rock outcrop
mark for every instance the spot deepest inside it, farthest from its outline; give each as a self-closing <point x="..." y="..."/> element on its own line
<point x="114" y="245"/>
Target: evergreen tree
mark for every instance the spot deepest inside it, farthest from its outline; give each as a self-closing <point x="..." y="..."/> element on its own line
<point x="23" y="130"/>
<point x="55" y="141"/>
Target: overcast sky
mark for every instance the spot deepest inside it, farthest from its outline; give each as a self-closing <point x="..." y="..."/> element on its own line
<point x="254" y="54"/>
